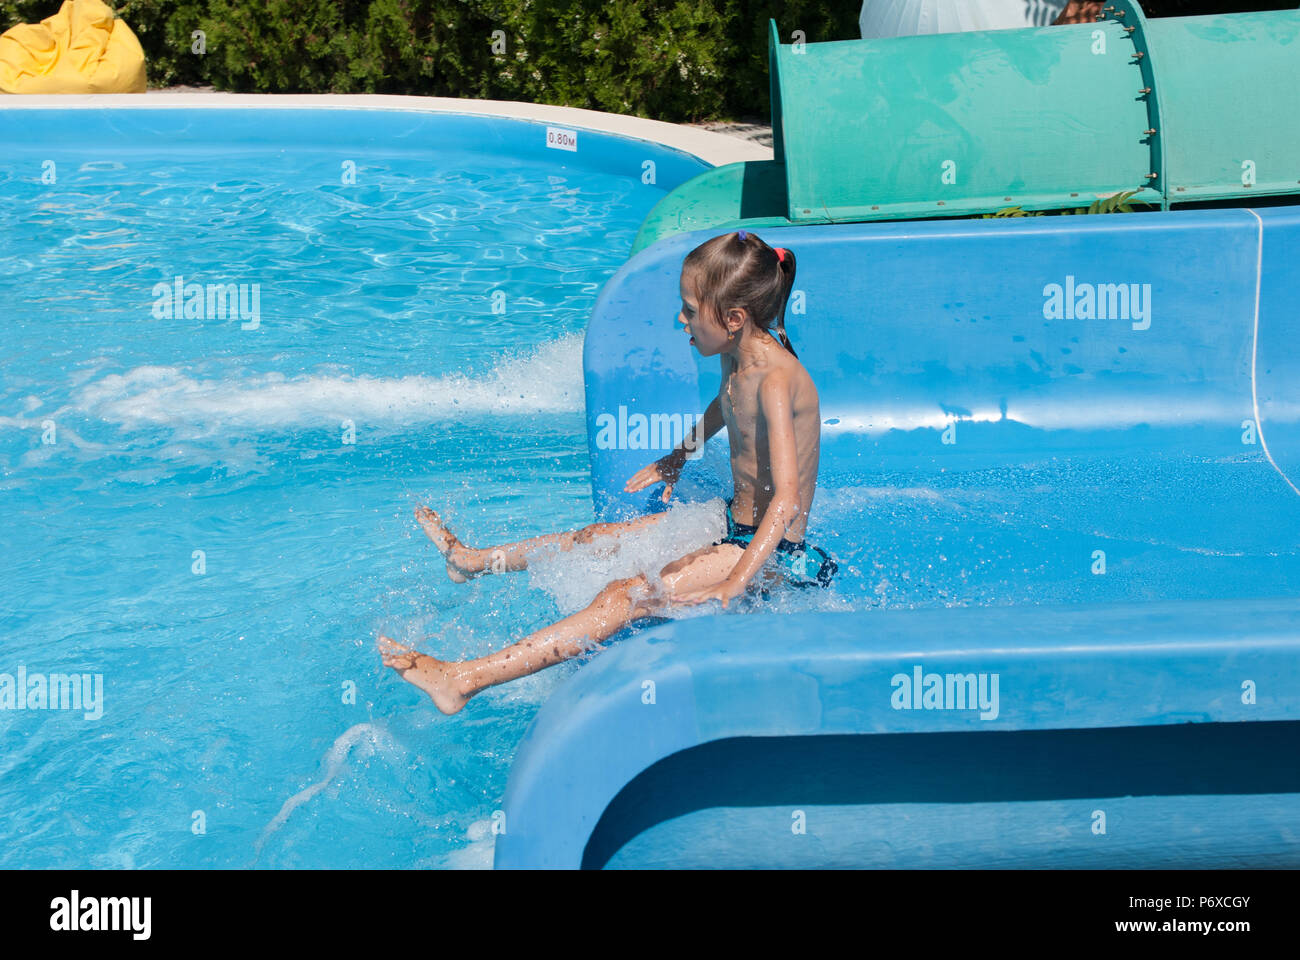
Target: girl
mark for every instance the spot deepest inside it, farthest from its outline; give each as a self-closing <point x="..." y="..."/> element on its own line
<point x="733" y="288"/>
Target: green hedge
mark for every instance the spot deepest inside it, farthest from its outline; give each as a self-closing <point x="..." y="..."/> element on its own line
<point x="674" y="60"/>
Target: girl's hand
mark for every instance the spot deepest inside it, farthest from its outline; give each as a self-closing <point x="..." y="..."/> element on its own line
<point x="726" y="591"/>
<point x="665" y="470"/>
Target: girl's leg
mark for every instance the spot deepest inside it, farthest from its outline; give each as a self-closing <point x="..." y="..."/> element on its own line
<point x="450" y="683"/>
<point x="464" y="562"/>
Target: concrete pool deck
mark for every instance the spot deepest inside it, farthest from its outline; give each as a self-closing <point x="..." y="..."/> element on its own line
<point x="714" y="143"/>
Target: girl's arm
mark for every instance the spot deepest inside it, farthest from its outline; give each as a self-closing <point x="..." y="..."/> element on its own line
<point x="706" y="427"/>
<point x="668" y="468"/>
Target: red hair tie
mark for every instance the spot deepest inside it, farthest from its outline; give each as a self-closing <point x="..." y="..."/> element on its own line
<point x="780" y="254"/>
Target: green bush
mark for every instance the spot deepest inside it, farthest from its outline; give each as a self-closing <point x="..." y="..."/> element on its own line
<point x="674" y="60"/>
<point x="667" y="59"/>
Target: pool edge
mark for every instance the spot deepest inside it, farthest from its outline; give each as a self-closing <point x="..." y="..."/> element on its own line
<point x="713" y="148"/>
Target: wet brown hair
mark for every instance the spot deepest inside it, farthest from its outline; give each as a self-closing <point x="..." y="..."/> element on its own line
<point x="730" y="272"/>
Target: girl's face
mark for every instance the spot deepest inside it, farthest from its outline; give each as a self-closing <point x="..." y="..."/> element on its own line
<point x="707" y="337"/>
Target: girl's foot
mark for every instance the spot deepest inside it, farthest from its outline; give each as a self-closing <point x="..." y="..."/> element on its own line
<point x="434" y="677"/>
<point x="462" y="562"/>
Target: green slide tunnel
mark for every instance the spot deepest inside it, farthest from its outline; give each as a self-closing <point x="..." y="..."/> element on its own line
<point x="1179" y="109"/>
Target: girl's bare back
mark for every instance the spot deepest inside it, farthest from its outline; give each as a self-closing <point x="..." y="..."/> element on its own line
<point x="747" y="432"/>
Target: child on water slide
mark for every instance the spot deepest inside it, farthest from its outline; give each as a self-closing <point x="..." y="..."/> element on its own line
<point x="734" y="290"/>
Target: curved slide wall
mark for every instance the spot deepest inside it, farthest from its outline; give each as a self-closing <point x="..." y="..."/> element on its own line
<point x="976" y="343"/>
<point x="1076" y="734"/>
<point x="1098" y="737"/>
<point x="1277" y="361"/>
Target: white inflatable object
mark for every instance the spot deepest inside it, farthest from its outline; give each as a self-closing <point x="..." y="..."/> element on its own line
<point x="906" y="18"/>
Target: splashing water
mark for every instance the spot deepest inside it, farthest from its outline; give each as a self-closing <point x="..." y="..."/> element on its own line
<point x="574" y="577"/>
<point x="368" y="735"/>
<point x="544" y="380"/>
<point x="218" y="519"/>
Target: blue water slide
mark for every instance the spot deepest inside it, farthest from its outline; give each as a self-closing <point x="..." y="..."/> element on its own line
<point x="1277" y="354"/>
<point x="1025" y="336"/>
<point x="700" y="743"/>
<point x="1157" y="726"/>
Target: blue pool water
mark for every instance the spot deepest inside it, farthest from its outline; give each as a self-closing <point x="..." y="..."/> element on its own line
<point x="224" y="692"/>
<point x="227" y="691"/>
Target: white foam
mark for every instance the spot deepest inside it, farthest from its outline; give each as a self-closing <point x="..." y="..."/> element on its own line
<point x="477" y="855"/>
<point x="367" y="733"/>
<point x="574" y="577"/>
<point x="547" y="380"/>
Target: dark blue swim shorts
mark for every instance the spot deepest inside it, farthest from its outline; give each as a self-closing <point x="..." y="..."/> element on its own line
<point x="803" y="564"/>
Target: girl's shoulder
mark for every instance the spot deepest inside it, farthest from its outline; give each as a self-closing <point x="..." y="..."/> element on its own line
<point x="793" y="369"/>
<point x="788" y="377"/>
<point x="794" y="377"/>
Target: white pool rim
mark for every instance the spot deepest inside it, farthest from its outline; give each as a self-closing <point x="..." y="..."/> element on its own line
<point x="712" y="148"/>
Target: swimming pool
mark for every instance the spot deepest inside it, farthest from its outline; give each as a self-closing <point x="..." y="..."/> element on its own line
<point x="222" y="521"/>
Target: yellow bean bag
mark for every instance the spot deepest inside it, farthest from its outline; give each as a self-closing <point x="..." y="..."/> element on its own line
<point x="81" y="49"/>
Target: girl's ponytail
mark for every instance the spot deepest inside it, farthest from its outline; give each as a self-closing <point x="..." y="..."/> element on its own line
<point x="785" y="262"/>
